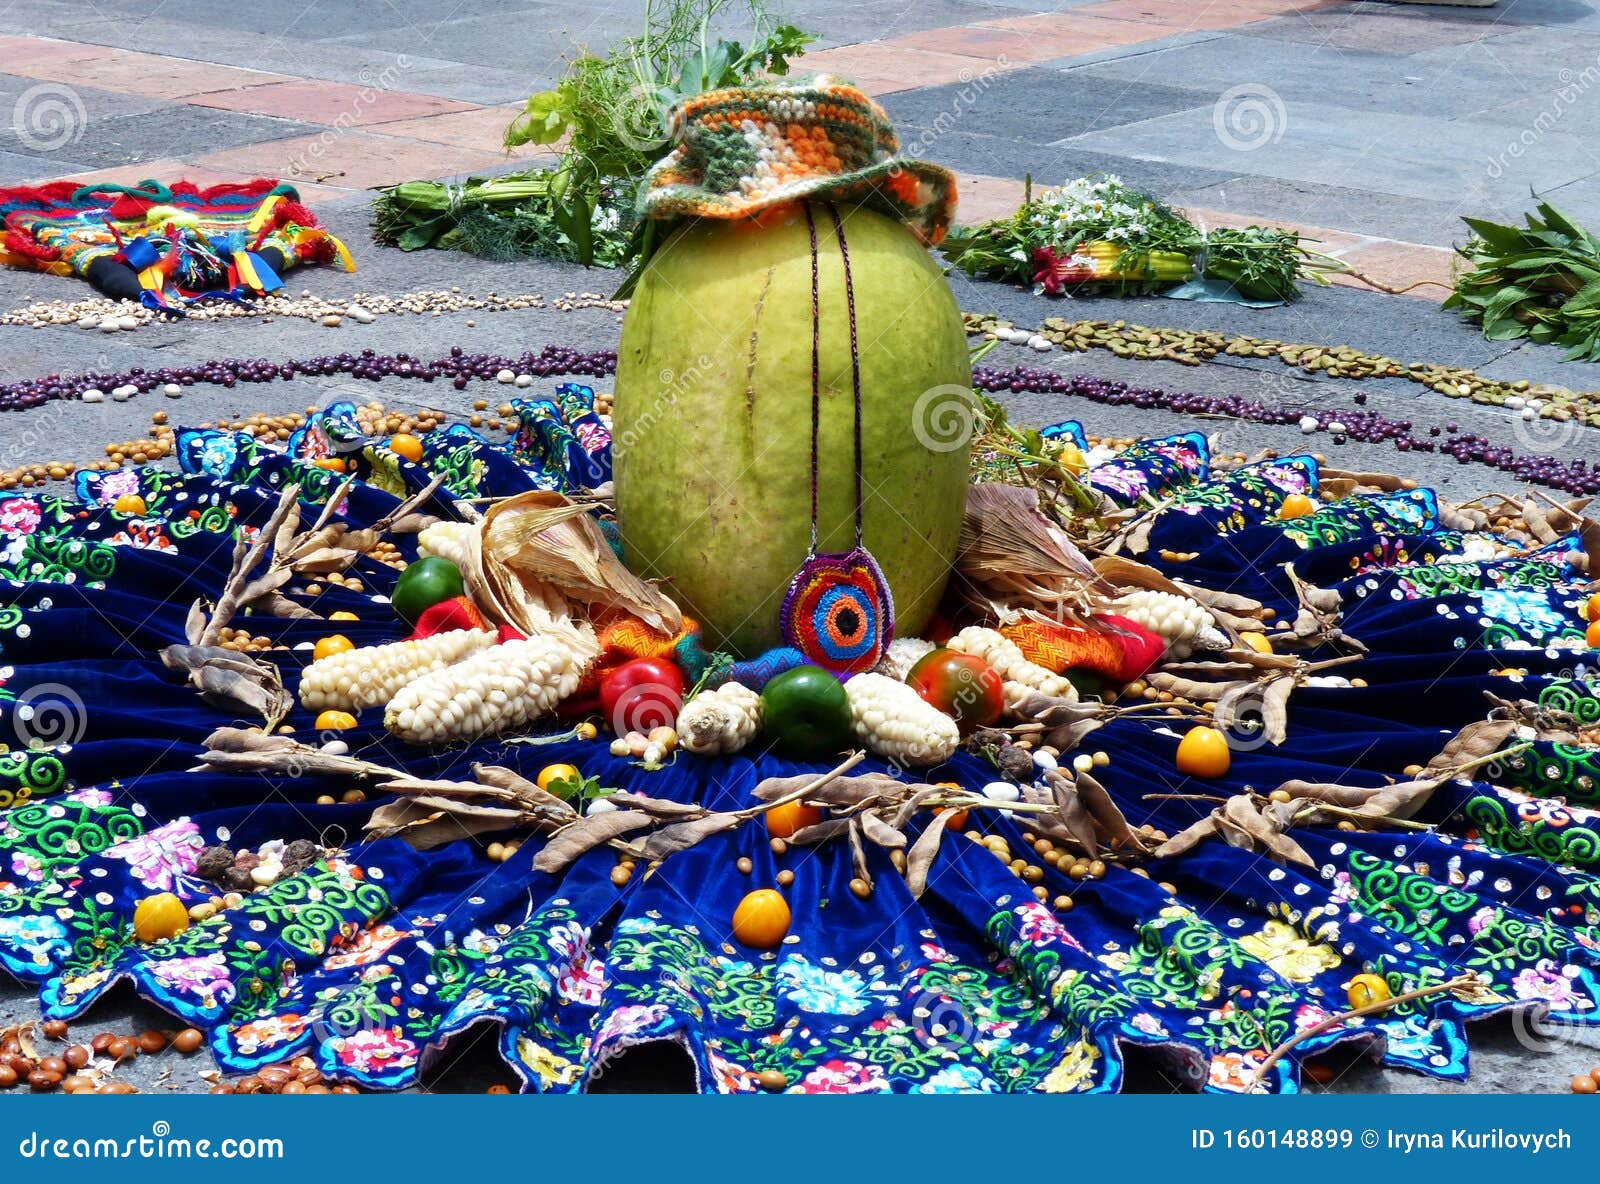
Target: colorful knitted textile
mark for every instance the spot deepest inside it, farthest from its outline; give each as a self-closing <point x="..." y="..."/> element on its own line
<point x="166" y="247"/>
<point x="1120" y="649"/>
<point x="745" y="149"/>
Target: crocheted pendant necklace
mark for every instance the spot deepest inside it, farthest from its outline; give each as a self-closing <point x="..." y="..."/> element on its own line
<point x="838" y="610"/>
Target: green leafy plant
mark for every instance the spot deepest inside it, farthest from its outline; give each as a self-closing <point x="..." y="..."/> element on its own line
<point x="1540" y="281"/>
<point x="611" y="112"/>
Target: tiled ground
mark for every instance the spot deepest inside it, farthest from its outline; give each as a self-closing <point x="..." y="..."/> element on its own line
<point x="1383" y="122"/>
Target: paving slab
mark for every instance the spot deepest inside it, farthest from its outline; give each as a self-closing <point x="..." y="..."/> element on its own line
<point x="179" y="130"/>
<point x="1040" y="106"/>
<point x="1398" y="29"/>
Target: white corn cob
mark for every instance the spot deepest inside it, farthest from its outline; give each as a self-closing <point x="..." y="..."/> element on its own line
<point x="902" y="655"/>
<point x="375" y="674"/>
<point x="1184" y="624"/>
<point x="893" y="721"/>
<point x="719" y="721"/>
<point x="505" y="686"/>
<point x="1002" y="654"/>
<point x="455" y="541"/>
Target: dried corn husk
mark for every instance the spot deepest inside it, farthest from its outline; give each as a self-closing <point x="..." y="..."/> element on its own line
<point x="1012" y="557"/>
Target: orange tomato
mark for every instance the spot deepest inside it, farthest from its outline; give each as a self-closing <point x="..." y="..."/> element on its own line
<point x="762" y="919"/>
<point x="550" y="774"/>
<point x="958" y="820"/>
<point x="1073" y="460"/>
<point x="1591" y="608"/>
<point x="326" y="647"/>
<point x="1204" y="752"/>
<point x="131" y="504"/>
<point x="1297" y="505"/>
<point x="335" y="721"/>
<point x="1591" y="635"/>
<point x="785" y="819"/>
<point x="341" y="615"/>
<point x="406" y="445"/>
<point x="158" y="917"/>
<point x="1260" y="642"/>
<point x="332" y="463"/>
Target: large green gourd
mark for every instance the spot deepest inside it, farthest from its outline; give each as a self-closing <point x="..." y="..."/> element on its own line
<point x="713" y="417"/>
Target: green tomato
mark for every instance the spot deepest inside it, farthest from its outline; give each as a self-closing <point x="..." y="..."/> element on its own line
<point x="805" y="713"/>
<point x="424" y="584"/>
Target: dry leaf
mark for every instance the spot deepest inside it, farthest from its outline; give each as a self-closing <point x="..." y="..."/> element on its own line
<point x="585" y="835"/>
<point x="919" y="861"/>
<point x="680" y="836"/>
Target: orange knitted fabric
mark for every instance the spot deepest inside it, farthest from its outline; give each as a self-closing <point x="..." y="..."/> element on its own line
<point x="1120" y="649"/>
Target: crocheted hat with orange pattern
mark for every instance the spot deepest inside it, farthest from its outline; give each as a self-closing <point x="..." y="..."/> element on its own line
<point x="746" y="149"/>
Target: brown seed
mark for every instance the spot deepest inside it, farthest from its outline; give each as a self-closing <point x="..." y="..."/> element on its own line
<point x="345" y="1089"/>
<point x="498" y="1089"/>
<point x="621" y="874"/>
<point x="222" y="1087"/>
<point x="1097" y="869"/>
<point x="53" y="1065"/>
<point x="772" y="1080"/>
<point x="102" y="1041"/>
<point x="861" y="888"/>
<point x="249" y="1085"/>
<point x="76" y="1057"/>
<point x="744" y="865"/>
<point x="41" y="1081"/>
<point x="1063" y="904"/>
<point x="317" y="1087"/>
<point x="117" y="1087"/>
<point x="188" y="1041"/>
<point x="8" y="1077"/>
<point x="1580" y="1085"/>
<point x="122" y="1048"/>
<point x="77" y="1085"/>
<point x="785" y="878"/>
<point x="292" y="1087"/>
<point x="55" y="1029"/>
<point x="779" y="847"/>
<point x="151" y="1041"/>
<point x="353" y="795"/>
<point x="275" y="1076"/>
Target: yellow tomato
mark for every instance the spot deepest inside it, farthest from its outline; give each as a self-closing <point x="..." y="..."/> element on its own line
<point x="550" y="774"/>
<point x="1260" y="642"/>
<point x="1591" y="608"/>
<point x="1367" y="989"/>
<point x="326" y="647"/>
<point x="158" y="917"/>
<point x="1073" y="460"/>
<point x="341" y="615"/>
<point x="1204" y="752"/>
<point x="131" y="504"/>
<point x="406" y="445"/>
<point x="1297" y="505"/>
<point x="335" y="721"/>
<point x="762" y="919"/>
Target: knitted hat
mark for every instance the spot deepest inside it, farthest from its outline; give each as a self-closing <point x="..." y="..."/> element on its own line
<point x="745" y="149"/>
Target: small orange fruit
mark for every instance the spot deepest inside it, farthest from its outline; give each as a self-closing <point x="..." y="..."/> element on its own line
<point x="326" y="647"/>
<point x="762" y="919"/>
<point x="335" y="721"/>
<point x="341" y="615"/>
<point x="785" y="819"/>
<point x="958" y="820"/>
<point x="131" y="504"/>
<point x="1260" y="642"/>
<point x="1204" y="752"/>
<point x="1591" y="608"/>
<point x="1073" y="460"/>
<point x="158" y="917"/>
<point x="550" y="774"/>
<point x="332" y="463"/>
<point x="1297" y="505"/>
<point x="406" y="445"/>
<point x="1591" y="635"/>
<point x="1367" y="989"/>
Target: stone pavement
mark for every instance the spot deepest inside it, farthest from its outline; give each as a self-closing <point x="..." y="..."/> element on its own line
<point x="1369" y="126"/>
<point x="1372" y="126"/>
